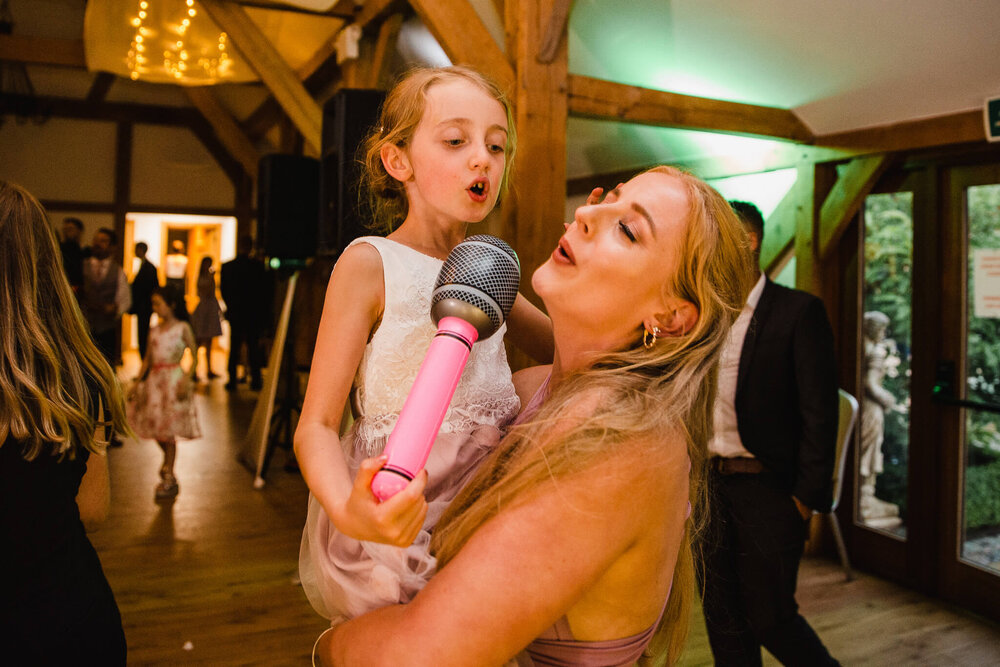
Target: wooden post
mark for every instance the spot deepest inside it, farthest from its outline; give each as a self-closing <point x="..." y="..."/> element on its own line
<point x="535" y="221"/>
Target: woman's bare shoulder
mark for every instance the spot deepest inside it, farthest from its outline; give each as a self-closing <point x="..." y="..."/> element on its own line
<point x="528" y="380"/>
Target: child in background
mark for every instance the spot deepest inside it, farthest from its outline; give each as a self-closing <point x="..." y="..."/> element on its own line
<point x="162" y="407"/>
<point x="437" y="161"/>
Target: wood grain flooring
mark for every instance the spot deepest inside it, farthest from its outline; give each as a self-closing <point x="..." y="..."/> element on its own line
<point x="211" y="579"/>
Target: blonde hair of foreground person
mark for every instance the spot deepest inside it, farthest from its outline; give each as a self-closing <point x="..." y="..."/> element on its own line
<point x="649" y="399"/>
<point x="52" y="376"/>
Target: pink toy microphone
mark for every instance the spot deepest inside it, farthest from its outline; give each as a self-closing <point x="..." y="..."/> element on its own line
<point x="473" y="295"/>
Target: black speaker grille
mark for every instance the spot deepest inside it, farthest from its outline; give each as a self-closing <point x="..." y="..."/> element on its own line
<point x="484" y="263"/>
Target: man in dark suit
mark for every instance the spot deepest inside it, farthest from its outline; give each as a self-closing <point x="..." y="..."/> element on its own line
<point x="771" y="464"/>
<point x="73" y="253"/>
<point x="143" y="284"/>
<point x="244" y="285"/>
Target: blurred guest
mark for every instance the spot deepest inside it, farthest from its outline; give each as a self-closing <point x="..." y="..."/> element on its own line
<point x="207" y="317"/>
<point x="175" y="267"/>
<point x="246" y="290"/>
<point x="72" y="253"/>
<point x="145" y="281"/>
<point x="106" y="294"/>
<point x="59" y="398"/>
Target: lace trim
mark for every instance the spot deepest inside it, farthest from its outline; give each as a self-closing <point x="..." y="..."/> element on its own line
<point x="371" y="433"/>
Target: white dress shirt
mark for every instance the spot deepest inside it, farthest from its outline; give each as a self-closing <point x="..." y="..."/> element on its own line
<point x="726" y="439"/>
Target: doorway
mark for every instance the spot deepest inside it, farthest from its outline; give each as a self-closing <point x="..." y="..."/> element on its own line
<point x="196" y="237"/>
<point x="926" y="469"/>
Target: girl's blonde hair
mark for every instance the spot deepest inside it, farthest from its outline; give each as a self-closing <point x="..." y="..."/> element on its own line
<point x="401" y="113"/>
<point x="645" y="394"/>
<point x="52" y="376"/>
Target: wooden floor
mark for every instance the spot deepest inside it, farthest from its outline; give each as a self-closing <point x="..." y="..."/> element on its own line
<point x="211" y="578"/>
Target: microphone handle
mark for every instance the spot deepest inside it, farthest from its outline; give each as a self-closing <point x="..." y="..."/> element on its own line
<point x="411" y="440"/>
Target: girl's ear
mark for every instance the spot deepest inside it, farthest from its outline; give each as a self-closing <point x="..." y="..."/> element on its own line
<point x="677" y="321"/>
<point x="396" y="162"/>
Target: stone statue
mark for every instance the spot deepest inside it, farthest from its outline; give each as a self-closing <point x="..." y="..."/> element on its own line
<point x="876" y="400"/>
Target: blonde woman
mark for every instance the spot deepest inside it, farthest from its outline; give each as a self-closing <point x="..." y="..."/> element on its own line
<point x="55" y="604"/>
<point x="571" y="545"/>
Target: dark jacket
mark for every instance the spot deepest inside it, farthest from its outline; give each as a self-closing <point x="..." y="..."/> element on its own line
<point x="145" y="281"/>
<point x="247" y="290"/>
<point x="786" y="393"/>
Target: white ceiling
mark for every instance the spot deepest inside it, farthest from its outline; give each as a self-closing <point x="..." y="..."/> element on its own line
<point x="839" y="64"/>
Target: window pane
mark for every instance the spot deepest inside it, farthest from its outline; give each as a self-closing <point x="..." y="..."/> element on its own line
<point x="885" y="401"/>
<point x="981" y="529"/>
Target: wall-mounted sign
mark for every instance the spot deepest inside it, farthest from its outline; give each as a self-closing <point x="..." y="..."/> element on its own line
<point x="986" y="288"/>
<point x="991" y="116"/>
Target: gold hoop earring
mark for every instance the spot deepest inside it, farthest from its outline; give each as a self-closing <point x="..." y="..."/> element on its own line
<point x="649" y="339"/>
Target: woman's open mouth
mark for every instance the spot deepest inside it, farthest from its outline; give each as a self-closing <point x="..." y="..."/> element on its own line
<point x="563" y="253"/>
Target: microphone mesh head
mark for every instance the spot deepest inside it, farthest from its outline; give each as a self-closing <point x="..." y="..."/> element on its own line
<point x="478" y="282"/>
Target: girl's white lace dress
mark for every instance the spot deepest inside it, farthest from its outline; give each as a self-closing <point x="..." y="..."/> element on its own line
<point x="343" y="577"/>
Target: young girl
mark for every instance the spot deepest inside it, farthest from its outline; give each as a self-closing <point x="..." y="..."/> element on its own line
<point x="164" y="409"/>
<point x="437" y="161"/>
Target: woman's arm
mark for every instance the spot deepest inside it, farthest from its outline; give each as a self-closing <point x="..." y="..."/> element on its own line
<point x="93" y="498"/>
<point x="521" y="571"/>
<point x="353" y="304"/>
<point x="531" y="330"/>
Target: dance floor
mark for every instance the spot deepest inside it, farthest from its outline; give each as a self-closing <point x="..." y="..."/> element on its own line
<point x="211" y="578"/>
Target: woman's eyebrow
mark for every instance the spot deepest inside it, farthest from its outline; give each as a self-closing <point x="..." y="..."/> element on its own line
<point x="644" y="213"/>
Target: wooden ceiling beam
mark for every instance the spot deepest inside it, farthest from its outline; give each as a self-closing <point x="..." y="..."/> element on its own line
<point x="226" y="128"/>
<point x="853" y="184"/>
<point x="320" y="70"/>
<point x="464" y="38"/>
<point x="555" y="31"/>
<point x="956" y="128"/>
<point x="111" y="111"/>
<point x="100" y="87"/>
<point x="780" y="230"/>
<point x="388" y="34"/>
<point x="607" y="100"/>
<point x="276" y="74"/>
<point x="42" y="51"/>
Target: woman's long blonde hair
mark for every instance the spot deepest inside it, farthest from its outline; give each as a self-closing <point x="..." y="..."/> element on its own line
<point x="51" y="373"/>
<point x="646" y="393"/>
<point x="401" y="113"/>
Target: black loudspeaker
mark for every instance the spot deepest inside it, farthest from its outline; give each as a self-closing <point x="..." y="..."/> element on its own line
<point x="348" y="116"/>
<point x="288" y="205"/>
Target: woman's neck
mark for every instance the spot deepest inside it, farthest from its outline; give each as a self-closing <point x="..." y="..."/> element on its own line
<point x="575" y="351"/>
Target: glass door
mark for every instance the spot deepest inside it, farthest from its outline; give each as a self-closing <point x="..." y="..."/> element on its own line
<point x="968" y="391"/>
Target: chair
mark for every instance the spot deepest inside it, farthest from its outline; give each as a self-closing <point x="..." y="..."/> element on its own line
<point x="845" y="429"/>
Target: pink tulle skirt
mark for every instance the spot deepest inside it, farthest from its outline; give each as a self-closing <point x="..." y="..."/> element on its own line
<point x="344" y="577"/>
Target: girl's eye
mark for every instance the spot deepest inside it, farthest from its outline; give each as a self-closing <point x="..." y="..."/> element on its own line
<point x="627" y="231"/>
<point x="453" y="142"/>
<point x="496" y="148"/>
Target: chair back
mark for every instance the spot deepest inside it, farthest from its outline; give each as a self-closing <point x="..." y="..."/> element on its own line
<point x="845" y="429"/>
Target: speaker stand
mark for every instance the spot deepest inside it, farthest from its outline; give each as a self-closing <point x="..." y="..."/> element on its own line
<point x="258" y="451"/>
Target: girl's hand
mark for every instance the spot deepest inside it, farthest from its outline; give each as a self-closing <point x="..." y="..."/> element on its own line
<point x="397" y="521"/>
<point x="184" y="388"/>
<point x="595" y="195"/>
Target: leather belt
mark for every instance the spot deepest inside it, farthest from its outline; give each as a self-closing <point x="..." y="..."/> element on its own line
<point x="736" y="465"/>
